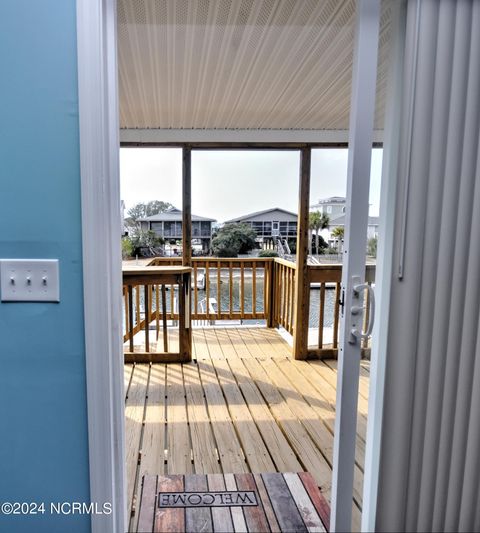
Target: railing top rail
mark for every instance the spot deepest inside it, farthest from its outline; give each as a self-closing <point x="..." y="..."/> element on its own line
<point x="167" y="269"/>
<point x="199" y="259"/>
<point x="133" y="275"/>
<point x="285" y="262"/>
<point x="326" y="266"/>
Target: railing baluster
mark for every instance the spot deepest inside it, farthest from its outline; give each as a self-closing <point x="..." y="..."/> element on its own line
<point x="207" y="287"/>
<point x="254" y="290"/>
<point x="172" y="302"/>
<point x="137" y="304"/>
<point x="164" y="318"/>
<point x="278" y="282"/>
<point x="242" y="289"/>
<point x="130" y="316"/>
<point x="288" y="316"/>
<point x="147" y="317"/>
<point x="230" y="290"/>
<point x="126" y="308"/>
<point x="219" y="294"/>
<point x="195" y="287"/>
<point x="157" y="310"/>
<point x="321" y="314"/>
<point x="292" y="296"/>
<point x="285" y="302"/>
<point x="266" y="266"/>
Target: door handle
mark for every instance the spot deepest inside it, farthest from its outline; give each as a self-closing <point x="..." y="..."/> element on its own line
<point x="356" y="310"/>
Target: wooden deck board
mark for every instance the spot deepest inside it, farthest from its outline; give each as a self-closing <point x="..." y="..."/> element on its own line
<point x="282" y="454"/>
<point x="328" y="390"/>
<point x="127" y="376"/>
<point x="153" y="440"/>
<point x="179" y="449"/>
<point x="243" y="405"/>
<point x="330" y="375"/>
<point x="229" y="448"/>
<point x="203" y="442"/>
<point x="255" y="451"/>
<point x="309" y="419"/>
<point x="306" y="385"/>
<point x="299" y="440"/>
<point x="237" y="342"/>
<point x="134" y="413"/>
<point x="199" y="344"/>
<point x="363" y="384"/>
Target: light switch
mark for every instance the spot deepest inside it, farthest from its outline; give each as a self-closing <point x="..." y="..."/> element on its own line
<point x="29" y="280"/>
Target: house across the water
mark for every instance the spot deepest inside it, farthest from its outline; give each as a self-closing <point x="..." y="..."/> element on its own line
<point x="334" y="208"/>
<point x="168" y="225"/>
<point x="270" y="224"/>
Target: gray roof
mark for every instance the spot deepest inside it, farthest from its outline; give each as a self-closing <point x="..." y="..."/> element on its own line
<point x="340" y="221"/>
<point x="256" y="213"/>
<point x="332" y="200"/>
<point x="174" y="215"/>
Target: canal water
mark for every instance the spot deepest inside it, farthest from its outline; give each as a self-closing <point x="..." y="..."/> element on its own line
<point x="248" y="299"/>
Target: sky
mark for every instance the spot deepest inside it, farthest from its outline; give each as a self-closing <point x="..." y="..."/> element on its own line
<point x="227" y="184"/>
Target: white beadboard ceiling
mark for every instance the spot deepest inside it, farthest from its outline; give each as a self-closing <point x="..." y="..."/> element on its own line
<point x="240" y="64"/>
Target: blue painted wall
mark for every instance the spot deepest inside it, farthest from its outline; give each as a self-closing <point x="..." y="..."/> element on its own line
<point x="43" y="423"/>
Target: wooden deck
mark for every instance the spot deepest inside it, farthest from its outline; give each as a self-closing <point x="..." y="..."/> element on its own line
<point x="242" y="405"/>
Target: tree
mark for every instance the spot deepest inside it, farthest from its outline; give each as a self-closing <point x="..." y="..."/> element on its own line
<point x="338" y="233"/>
<point x="268" y="253"/>
<point x="316" y="221"/>
<point x="127" y="248"/>
<point x="143" y="210"/>
<point x="372" y="247"/>
<point x="233" y="239"/>
<point x="144" y="239"/>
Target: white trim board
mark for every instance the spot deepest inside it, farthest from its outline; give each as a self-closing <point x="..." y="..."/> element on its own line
<point x="98" y="115"/>
<point x="241" y="136"/>
<point x="385" y="269"/>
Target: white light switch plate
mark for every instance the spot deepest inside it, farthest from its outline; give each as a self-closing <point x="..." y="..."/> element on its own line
<point x="29" y="280"/>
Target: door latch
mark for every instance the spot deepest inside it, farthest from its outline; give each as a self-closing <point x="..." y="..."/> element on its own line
<point x="341" y="300"/>
<point x="356" y="309"/>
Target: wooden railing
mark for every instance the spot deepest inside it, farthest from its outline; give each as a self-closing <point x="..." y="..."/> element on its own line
<point x="146" y="302"/>
<point x="327" y="279"/>
<point x="284" y="294"/>
<point x="227" y="289"/>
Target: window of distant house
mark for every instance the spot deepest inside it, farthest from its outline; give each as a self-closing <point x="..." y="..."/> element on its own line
<point x="329" y="208"/>
<point x="258" y="227"/>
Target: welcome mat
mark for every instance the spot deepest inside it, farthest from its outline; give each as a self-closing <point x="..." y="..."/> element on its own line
<point x="232" y="502"/>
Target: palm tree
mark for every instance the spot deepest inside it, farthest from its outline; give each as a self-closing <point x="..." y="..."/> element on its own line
<point x="317" y="221"/>
<point x="338" y="233"/>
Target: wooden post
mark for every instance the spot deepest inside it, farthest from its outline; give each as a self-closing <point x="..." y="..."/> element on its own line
<point x="269" y="277"/>
<point x="302" y="283"/>
<point x="184" y="329"/>
<point x="184" y="288"/>
<point x="187" y="207"/>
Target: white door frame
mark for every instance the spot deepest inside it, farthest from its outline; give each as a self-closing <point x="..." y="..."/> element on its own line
<point x="102" y="276"/>
<point x="101" y="227"/>
<point x="385" y="270"/>
<point x="362" y="112"/>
